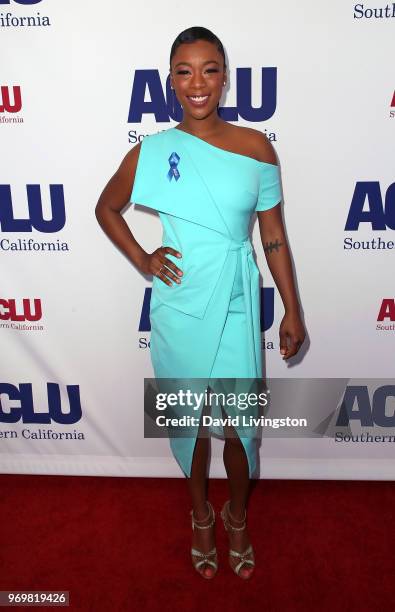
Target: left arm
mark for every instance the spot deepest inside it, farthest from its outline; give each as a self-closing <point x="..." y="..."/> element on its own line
<point x="278" y="259"/>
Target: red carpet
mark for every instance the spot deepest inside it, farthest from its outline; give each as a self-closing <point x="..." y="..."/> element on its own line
<point x="120" y="544"/>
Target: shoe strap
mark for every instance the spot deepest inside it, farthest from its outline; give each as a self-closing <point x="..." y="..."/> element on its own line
<point x="234" y="553"/>
<point x="240" y="565"/>
<point x="226" y="511"/>
<point x="206" y="562"/>
<point x="204" y="558"/>
<point x="242" y="557"/>
<point x="195" y="523"/>
<point x="199" y="553"/>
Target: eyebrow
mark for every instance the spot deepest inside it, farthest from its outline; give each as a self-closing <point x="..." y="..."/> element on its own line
<point x="188" y="64"/>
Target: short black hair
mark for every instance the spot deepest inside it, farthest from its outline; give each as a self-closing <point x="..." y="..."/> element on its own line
<point x="197" y="33"/>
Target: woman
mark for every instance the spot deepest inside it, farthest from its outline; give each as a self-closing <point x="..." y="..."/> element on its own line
<point x="206" y="177"/>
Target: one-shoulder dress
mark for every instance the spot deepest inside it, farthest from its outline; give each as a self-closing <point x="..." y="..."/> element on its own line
<point x="207" y="327"/>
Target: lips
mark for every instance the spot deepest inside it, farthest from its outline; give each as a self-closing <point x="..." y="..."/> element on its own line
<point x="198" y="100"/>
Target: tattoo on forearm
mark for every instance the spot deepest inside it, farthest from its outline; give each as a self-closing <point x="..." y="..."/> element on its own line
<point x="271" y="246"/>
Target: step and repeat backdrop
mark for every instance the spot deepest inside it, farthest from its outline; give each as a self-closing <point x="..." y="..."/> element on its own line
<point x="82" y="83"/>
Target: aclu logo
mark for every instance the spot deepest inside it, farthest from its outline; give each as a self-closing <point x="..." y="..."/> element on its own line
<point x="150" y="98"/>
<point x="373" y="209"/>
<point x="386" y="315"/>
<point x="26" y="310"/>
<point x="266" y="317"/>
<point x="357" y="406"/>
<point x="17" y="403"/>
<point x="21" y="314"/>
<point x="10" y="104"/>
<point x="35" y="220"/>
<point x="9" y="20"/>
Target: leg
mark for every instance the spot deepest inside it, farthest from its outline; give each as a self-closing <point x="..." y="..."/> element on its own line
<point x="203" y="539"/>
<point x="197" y="481"/>
<point x="236" y="465"/>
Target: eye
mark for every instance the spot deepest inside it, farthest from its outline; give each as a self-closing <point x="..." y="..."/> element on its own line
<point x="182" y="71"/>
<point x="212" y="70"/>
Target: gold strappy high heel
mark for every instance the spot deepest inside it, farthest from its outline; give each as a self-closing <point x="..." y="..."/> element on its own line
<point x="247" y="557"/>
<point x="204" y="558"/>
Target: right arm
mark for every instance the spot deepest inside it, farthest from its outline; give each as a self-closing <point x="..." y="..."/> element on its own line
<point x="114" y="197"/>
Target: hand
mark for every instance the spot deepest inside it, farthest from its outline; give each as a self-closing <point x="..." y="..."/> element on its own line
<point x="157" y="264"/>
<point x="291" y="327"/>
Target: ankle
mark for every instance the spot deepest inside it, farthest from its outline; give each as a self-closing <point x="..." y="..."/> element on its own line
<point x="237" y="515"/>
<point x="206" y="522"/>
<point x="202" y="513"/>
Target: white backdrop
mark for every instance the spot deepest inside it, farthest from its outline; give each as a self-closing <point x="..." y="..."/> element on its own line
<point x="73" y="65"/>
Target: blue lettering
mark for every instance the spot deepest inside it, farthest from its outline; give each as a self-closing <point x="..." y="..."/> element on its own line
<point x="244" y="107"/>
<point x="157" y="105"/>
<point x="36" y="219"/>
<point x="375" y="215"/>
<point x="24" y="395"/>
<point x="267" y="307"/>
<point x="165" y="107"/>
<point x="20" y="1"/>
<point x="145" y="324"/>
<point x="390" y="206"/>
<point x="379" y="402"/>
<point x="363" y="412"/>
<point x="266" y="315"/>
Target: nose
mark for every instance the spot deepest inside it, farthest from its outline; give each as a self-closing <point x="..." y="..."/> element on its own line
<point x="197" y="80"/>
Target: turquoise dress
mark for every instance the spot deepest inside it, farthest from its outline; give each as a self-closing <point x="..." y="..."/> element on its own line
<point x="207" y="327"/>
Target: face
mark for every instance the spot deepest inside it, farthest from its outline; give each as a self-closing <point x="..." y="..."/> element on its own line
<point x="197" y="75"/>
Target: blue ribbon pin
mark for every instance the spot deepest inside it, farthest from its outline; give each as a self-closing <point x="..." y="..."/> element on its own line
<point x="173" y="161"/>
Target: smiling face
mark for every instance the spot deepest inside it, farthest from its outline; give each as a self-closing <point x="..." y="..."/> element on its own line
<point x="197" y="74"/>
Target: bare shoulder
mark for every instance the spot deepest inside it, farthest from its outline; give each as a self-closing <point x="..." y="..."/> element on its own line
<point x="118" y="189"/>
<point x="261" y="146"/>
<point x="128" y="165"/>
<point x="131" y="158"/>
<point x="257" y="144"/>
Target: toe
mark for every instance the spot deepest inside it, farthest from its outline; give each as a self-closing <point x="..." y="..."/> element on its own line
<point x="246" y="572"/>
<point x="208" y="571"/>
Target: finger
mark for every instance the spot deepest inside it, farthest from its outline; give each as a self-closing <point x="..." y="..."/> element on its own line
<point x="170" y="274"/>
<point x="172" y="251"/>
<point x="163" y="278"/>
<point x="283" y="343"/>
<point x="291" y="352"/>
<point x="167" y="262"/>
<point x="293" y="348"/>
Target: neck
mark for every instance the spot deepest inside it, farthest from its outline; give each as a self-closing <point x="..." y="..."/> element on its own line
<point x="202" y="127"/>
